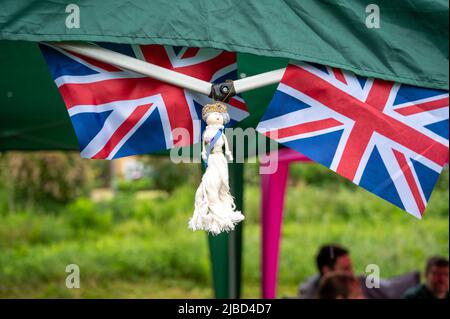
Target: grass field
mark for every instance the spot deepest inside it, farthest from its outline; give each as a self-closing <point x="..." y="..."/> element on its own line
<point x="138" y="245"/>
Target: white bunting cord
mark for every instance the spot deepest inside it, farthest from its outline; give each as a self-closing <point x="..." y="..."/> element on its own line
<point x="214" y="209"/>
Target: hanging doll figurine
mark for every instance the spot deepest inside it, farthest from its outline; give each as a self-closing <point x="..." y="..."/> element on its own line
<point x="214" y="205"/>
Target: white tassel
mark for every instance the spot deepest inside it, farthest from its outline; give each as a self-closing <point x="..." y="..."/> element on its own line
<point x="214" y="206"/>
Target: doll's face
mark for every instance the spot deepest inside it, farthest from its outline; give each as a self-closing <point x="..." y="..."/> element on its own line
<point x="214" y="118"/>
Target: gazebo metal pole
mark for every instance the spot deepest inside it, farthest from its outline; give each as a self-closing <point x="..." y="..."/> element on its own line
<point x="235" y="237"/>
<point x="259" y="80"/>
<point x="126" y="62"/>
<point x="226" y="248"/>
<point x="154" y="71"/>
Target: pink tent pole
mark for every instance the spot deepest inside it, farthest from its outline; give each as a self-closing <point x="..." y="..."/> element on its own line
<point x="273" y="187"/>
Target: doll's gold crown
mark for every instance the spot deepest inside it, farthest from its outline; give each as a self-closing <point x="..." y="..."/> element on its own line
<point x="218" y="107"/>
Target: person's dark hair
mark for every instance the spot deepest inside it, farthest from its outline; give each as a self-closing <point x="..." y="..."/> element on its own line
<point x="335" y="285"/>
<point x="435" y="261"/>
<point x="328" y="256"/>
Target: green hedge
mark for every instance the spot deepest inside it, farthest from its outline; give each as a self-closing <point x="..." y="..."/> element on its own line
<point x="134" y="238"/>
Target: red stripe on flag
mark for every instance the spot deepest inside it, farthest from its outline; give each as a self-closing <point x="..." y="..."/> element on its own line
<point x="203" y="70"/>
<point x="110" y="91"/>
<point x="339" y="75"/>
<point x="190" y="53"/>
<point x="423" y="107"/>
<point x="238" y="104"/>
<point x="379" y="94"/>
<point x="354" y="150"/>
<point x="361" y="133"/>
<point x="305" y="128"/>
<point x="123" y="130"/>
<point x="406" y="169"/>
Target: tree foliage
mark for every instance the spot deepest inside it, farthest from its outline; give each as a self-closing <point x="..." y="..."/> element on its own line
<point x="55" y="176"/>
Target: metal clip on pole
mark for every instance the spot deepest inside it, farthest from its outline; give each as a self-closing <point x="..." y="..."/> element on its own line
<point x="223" y="91"/>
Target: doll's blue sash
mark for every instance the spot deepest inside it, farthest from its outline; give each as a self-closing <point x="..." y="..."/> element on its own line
<point x="213" y="142"/>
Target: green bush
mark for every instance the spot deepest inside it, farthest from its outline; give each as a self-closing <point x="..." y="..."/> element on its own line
<point x="23" y="228"/>
<point x="121" y="206"/>
<point x="45" y="176"/>
<point x="135" y="186"/>
<point x="443" y="181"/>
<point x="84" y="216"/>
<point x="137" y="237"/>
<point x="168" y="176"/>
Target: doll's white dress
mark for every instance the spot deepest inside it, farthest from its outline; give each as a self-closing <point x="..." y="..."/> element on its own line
<point x="214" y="205"/>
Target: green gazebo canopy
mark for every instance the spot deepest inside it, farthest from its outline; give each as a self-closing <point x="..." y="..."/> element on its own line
<point x="411" y="46"/>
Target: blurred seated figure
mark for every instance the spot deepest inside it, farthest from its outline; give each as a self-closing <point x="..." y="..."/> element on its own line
<point x="335" y="258"/>
<point x="331" y="258"/>
<point x="436" y="281"/>
<point x="339" y="285"/>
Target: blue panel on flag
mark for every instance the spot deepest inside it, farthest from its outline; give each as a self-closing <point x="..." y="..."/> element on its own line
<point x="146" y="139"/>
<point x="362" y="80"/>
<point x="284" y="104"/>
<point x="427" y="177"/>
<point x="377" y="180"/>
<point x="87" y="125"/>
<point x="60" y="64"/>
<point x="408" y="93"/>
<point x="117" y="47"/>
<point x="177" y="49"/>
<point x="440" y="128"/>
<point x="223" y="78"/>
<point x="320" y="148"/>
<point x="321" y="67"/>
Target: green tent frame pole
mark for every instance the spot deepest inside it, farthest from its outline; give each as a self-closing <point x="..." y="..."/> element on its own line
<point x="226" y="248"/>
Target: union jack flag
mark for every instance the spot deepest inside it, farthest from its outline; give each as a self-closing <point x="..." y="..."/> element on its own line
<point x="389" y="138"/>
<point x="118" y="113"/>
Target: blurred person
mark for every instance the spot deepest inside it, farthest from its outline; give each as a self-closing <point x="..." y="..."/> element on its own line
<point x="333" y="258"/>
<point x="436" y="281"/>
<point x="330" y="258"/>
<point x="339" y="285"/>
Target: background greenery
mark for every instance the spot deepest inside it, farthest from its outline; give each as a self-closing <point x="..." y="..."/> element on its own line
<point x="136" y="244"/>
